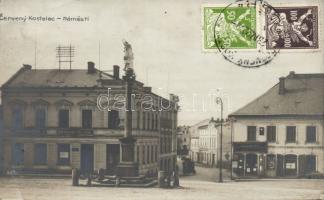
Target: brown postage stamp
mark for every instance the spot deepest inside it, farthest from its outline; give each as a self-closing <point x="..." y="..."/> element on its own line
<point x="292" y="28"/>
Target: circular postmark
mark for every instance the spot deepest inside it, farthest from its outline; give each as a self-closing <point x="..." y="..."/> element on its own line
<point x="240" y="33"/>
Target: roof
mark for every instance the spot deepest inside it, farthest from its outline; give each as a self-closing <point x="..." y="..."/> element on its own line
<point x="27" y="77"/>
<point x="303" y="95"/>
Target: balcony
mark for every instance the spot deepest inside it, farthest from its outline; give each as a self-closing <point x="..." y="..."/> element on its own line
<point x="74" y="132"/>
<point x="66" y="132"/>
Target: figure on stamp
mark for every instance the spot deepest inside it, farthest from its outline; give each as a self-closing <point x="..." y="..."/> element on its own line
<point x="290" y="32"/>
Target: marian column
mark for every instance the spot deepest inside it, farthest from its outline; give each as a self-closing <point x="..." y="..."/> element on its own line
<point x="127" y="166"/>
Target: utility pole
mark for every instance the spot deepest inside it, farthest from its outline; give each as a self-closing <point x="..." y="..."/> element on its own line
<point x="219" y="101"/>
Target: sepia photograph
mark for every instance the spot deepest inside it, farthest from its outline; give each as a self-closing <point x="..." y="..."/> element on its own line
<point x="162" y="100"/>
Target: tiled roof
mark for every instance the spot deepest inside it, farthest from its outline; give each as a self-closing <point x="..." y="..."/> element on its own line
<point x="304" y="95"/>
<point x="55" y="78"/>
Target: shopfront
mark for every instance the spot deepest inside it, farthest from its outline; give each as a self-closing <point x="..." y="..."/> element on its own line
<point x="249" y="158"/>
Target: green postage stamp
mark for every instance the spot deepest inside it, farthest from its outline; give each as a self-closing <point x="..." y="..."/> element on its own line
<point x="230" y="28"/>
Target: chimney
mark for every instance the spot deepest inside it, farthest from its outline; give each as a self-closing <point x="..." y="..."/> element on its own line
<point x="291" y="74"/>
<point x="148" y="89"/>
<point x="116" y="72"/>
<point x="91" y="68"/>
<point x="27" y="67"/>
<point x="282" y="88"/>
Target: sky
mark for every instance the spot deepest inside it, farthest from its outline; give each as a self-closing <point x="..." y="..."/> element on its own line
<point x="166" y="37"/>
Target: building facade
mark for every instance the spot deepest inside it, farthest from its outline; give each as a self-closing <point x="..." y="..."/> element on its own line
<point x="53" y="122"/>
<point x="183" y="140"/>
<point x="205" y="142"/>
<point x="1" y="143"/>
<point x="281" y="132"/>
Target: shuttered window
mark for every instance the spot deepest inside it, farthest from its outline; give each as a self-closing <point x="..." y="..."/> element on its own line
<point x="86" y="118"/>
<point x="291" y="134"/>
<point x="251" y="133"/>
<point x="271" y="133"/>
<point x="64" y="119"/>
<point x="40" y="118"/>
<point x="311" y="134"/>
<point x="17" y="118"/>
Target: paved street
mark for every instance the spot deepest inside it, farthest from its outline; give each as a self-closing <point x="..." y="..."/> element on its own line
<point x="193" y="187"/>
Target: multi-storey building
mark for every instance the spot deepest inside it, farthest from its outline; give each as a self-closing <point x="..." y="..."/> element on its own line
<point x="281" y="132"/>
<point x="58" y="119"/>
<point x="1" y="144"/>
<point x="205" y="142"/>
<point x="183" y="140"/>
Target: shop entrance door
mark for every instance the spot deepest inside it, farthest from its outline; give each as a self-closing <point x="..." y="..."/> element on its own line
<point x="251" y="165"/>
<point x="280" y="164"/>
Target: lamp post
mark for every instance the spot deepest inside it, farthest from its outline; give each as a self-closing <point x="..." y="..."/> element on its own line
<point x="220" y="101"/>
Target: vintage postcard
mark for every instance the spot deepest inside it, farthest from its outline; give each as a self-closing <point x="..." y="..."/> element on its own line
<point x="163" y="99"/>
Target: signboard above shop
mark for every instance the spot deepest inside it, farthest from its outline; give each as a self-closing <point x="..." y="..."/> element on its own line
<point x="259" y="147"/>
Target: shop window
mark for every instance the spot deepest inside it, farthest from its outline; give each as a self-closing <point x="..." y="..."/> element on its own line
<point x="271" y="133"/>
<point x="40" y="154"/>
<point x="251" y="133"/>
<point x="291" y="134"/>
<point x="17" y="155"/>
<point x="64" y="119"/>
<point x="86" y="118"/>
<point x="113" y="119"/>
<point x="63" y="154"/>
<point x="310" y="134"/>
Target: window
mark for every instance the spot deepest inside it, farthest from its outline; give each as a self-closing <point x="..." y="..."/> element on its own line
<point x="40" y="154"/>
<point x="64" y="118"/>
<point x="113" y="119"/>
<point x="156" y="153"/>
<point x="63" y="154"/>
<point x="310" y="163"/>
<point x="17" y="155"/>
<point x="251" y="133"/>
<point x="17" y="118"/>
<point x="148" y="154"/>
<point x="138" y="154"/>
<point x="144" y="120"/>
<point x="40" y="118"/>
<point x="291" y="134"/>
<point x="311" y="134"/>
<point x="143" y="155"/>
<point x="138" y="119"/>
<point x="152" y="154"/>
<point x="86" y="118"/>
<point x="271" y="133"/>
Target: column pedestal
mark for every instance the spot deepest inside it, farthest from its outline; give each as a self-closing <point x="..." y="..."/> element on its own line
<point x="127" y="167"/>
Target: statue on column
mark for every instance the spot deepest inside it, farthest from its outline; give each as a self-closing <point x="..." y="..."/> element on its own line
<point x="129" y="56"/>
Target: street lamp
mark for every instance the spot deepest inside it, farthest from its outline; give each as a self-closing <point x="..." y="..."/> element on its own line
<point x="219" y="101"/>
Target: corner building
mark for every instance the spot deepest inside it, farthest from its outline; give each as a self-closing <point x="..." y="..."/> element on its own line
<point x="280" y="133"/>
<point x="52" y="123"/>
